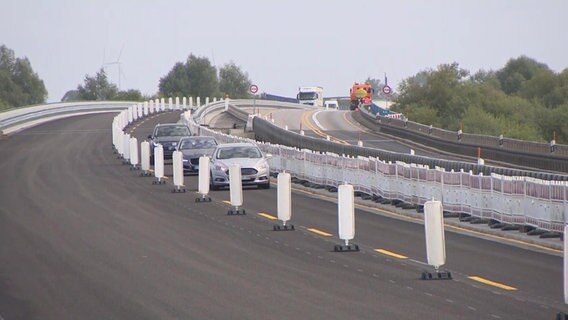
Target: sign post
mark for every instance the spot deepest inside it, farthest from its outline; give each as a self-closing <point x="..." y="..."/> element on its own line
<point x="253" y="89"/>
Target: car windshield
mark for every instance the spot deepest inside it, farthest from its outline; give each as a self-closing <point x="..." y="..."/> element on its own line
<point x="197" y="143"/>
<point x="239" y="152"/>
<point x="167" y="131"/>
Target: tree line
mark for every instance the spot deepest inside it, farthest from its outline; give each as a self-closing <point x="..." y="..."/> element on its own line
<point x="19" y="84"/>
<point x="523" y="100"/>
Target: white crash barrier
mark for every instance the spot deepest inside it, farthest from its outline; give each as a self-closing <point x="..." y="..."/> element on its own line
<point x="203" y="179"/>
<point x="126" y="150"/>
<point x="134" y="153"/>
<point x="497" y="197"/>
<point x="235" y="189"/>
<point x="159" y="164"/>
<point x="284" y="200"/>
<point x="346" y="213"/>
<point x="177" y="166"/>
<point x="514" y="200"/>
<point x="434" y="234"/>
<point x="145" y="157"/>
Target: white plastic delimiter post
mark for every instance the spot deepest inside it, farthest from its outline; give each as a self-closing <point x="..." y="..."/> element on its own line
<point x="346" y="212"/>
<point x="204" y="176"/>
<point x="130" y="114"/>
<point x="177" y="166"/>
<point x="235" y="185"/>
<point x="145" y="156"/>
<point x="134" y="152"/>
<point x="159" y="162"/>
<point x="126" y="142"/>
<point x="120" y="144"/>
<point x="284" y="197"/>
<point x="434" y="231"/>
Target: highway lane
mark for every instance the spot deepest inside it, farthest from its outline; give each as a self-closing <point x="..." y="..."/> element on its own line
<point x="82" y="236"/>
<point x="342" y="128"/>
<point x="462" y="258"/>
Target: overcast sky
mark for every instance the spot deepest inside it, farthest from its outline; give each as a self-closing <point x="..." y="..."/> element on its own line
<point x="281" y="44"/>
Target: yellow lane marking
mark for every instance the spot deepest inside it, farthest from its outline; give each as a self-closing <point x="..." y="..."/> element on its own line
<point x="492" y="283"/>
<point x="321" y="233"/>
<point x="227" y="202"/>
<point x="392" y="254"/>
<point x="267" y="216"/>
<point x="316" y="130"/>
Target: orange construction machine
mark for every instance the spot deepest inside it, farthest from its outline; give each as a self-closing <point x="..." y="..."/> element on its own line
<point x="361" y="94"/>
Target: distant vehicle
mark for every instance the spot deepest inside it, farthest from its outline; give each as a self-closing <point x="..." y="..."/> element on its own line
<point x="193" y="148"/>
<point x="361" y="94"/>
<point x="254" y="167"/>
<point x="168" y="135"/>
<point x="311" y="95"/>
<point x="331" y="104"/>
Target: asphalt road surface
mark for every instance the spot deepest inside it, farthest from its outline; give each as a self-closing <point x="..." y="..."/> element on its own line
<point x="340" y="126"/>
<point x="84" y="237"/>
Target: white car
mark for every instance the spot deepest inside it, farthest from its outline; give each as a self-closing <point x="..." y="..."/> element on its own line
<point x="254" y="167"/>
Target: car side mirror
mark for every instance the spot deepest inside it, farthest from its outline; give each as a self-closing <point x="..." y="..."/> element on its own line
<point x="268" y="155"/>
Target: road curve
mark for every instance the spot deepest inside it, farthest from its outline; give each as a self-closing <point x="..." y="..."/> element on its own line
<point x="84" y="237"/>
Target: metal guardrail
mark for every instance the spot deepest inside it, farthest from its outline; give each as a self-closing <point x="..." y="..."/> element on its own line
<point x="522" y="153"/>
<point x="18" y="118"/>
<point x="268" y="132"/>
<point x="512" y="201"/>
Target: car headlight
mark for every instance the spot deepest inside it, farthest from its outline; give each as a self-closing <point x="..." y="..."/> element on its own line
<point x="221" y="167"/>
<point x="262" y="166"/>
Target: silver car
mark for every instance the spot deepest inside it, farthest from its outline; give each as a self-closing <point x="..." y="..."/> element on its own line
<point x="254" y="167"/>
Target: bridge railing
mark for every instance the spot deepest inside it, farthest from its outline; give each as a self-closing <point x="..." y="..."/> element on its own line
<point x="518" y="200"/>
<point x="509" y="199"/>
<point x="547" y="156"/>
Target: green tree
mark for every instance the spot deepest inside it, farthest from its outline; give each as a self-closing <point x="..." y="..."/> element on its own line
<point x="19" y="84"/>
<point x="376" y="85"/>
<point x="233" y="81"/>
<point x="196" y="77"/>
<point x="129" y="95"/>
<point x="97" y="88"/>
<point x="516" y="72"/>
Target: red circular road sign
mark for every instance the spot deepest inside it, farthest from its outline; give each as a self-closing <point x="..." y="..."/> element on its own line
<point x="387" y="90"/>
<point x="253" y="88"/>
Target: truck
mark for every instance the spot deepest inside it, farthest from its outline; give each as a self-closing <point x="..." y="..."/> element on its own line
<point x="361" y="94"/>
<point x="311" y="95"/>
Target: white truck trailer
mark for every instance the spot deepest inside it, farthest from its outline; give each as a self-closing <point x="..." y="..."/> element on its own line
<point x="311" y="95"/>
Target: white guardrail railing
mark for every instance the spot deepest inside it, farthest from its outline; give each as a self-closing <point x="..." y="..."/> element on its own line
<point x="513" y="200"/>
